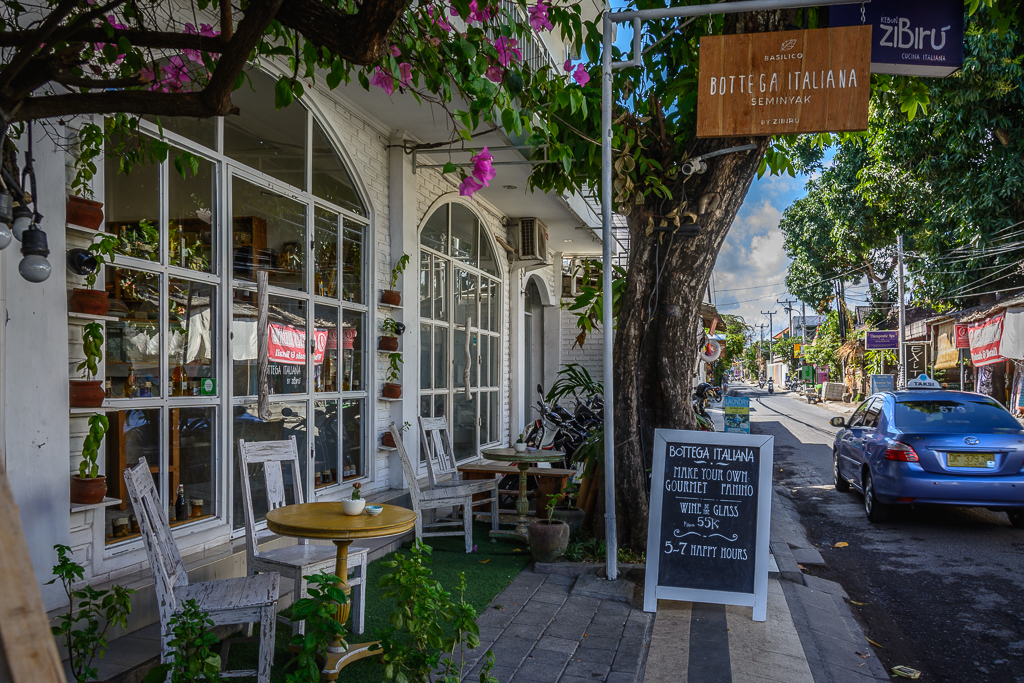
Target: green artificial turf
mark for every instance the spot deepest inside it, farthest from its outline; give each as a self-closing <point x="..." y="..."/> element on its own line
<point x="488" y="571"/>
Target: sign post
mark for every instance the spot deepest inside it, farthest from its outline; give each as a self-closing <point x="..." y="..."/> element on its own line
<point x="883" y="339"/>
<point x="707" y="538"/>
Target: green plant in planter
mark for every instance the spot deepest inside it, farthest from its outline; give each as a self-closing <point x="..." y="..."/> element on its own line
<point x="399" y="269"/>
<point x="103" y="250"/>
<point x="355" y="491"/>
<point x="392" y="327"/>
<point x="90" y="614"/>
<point x="92" y="345"/>
<point x="394" y="369"/>
<point x="98" y="426"/>
<point x="320" y="611"/>
<point x="191" y="659"/>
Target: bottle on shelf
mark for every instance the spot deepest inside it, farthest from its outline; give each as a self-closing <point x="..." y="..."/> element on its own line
<point x="131" y="387"/>
<point x="179" y="380"/>
<point x="107" y="390"/>
<point x="179" y="504"/>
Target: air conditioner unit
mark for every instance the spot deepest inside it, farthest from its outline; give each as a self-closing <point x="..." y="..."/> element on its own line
<point x="533" y="240"/>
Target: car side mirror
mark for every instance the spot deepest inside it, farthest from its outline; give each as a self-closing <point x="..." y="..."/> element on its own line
<point x="838" y="422"/>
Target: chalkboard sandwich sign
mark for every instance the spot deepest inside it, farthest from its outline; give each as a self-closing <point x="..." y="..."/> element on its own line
<point x="707" y="539"/>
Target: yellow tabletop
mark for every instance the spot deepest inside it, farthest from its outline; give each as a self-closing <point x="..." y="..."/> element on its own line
<point x="328" y="521"/>
<point x="512" y="455"/>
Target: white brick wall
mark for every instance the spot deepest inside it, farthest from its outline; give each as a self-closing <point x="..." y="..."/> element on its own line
<point x="591" y="355"/>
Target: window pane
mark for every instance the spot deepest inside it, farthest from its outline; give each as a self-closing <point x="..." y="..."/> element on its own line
<point x="425" y="356"/>
<point x="425" y="405"/>
<point x="192" y="338"/>
<point x="441" y="365"/>
<point x="484" y="418"/>
<point x="268" y="231"/>
<point x="352" y="437"/>
<point x="459" y="359"/>
<point x="488" y="263"/>
<point x="352" y="261"/>
<point x="354" y="352"/>
<point x="325" y="457"/>
<point x="325" y="357"/>
<point x="132" y="207"/>
<point x="440" y="288"/>
<point x="193" y="461"/>
<point x="485" y="347"/>
<point x="203" y="131"/>
<point x="435" y="232"/>
<point x="495" y="307"/>
<point x="191" y="216"/>
<point x="495" y="347"/>
<point x="133" y="434"/>
<point x="270" y="140"/>
<point x="133" y="343"/>
<point x="331" y="180"/>
<point x="440" y="405"/>
<point x="464" y="426"/>
<point x="495" y="418"/>
<point x="464" y="234"/>
<point x="286" y="420"/>
<point x="465" y="297"/>
<point x="325" y="253"/>
<point x="425" y="285"/>
<point x="286" y="350"/>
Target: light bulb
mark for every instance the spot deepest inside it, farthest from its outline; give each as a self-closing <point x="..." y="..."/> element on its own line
<point x="34" y="268"/>
<point x="5" y="236"/>
<point x="22" y="220"/>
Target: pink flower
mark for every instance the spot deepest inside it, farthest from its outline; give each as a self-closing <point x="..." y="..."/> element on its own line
<point x="539" y="16"/>
<point x="494" y="73"/>
<point x="114" y="24"/>
<point x="435" y="41"/>
<point x="468" y="186"/>
<point x="440" y="21"/>
<point x="476" y="13"/>
<point x="580" y="75"/>
<point x="405" y="74"/>
<point x="395" y="52"/>
<point x="383" y="80"/>
<point x="482" y="169"/>
<point x="568" y="66"/>
<point x="507" y="52"/>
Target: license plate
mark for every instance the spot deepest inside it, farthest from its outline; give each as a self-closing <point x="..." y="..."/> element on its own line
<point x="983" y="460"/>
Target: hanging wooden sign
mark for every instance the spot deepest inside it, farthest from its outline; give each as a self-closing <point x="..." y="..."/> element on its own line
<point x="812" y="81"/>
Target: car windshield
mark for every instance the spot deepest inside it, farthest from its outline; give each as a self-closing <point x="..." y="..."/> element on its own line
<point x="954" y="415"/>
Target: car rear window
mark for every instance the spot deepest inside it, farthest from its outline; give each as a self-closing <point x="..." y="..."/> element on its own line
<point x="954" y="415"/>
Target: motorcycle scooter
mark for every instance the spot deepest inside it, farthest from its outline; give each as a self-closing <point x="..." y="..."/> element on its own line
<point x="771" y="386"/>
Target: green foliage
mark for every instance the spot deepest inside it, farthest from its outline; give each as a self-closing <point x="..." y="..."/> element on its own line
<point x="320" y="611"/>
<point x="355" y="491"/>
<point x="394" y="373"/>
<point x="390" y="326"/>
<point x="586" y="548"/>
<point x="736" y="330"/>
<point x="399" y="269"/>
<point x="103" y="251"/>
<point x="428" y="633"/>
<point x="92" y="346"/>
<point x="89" y="467"/>
<point x="192" y="660"/>
<point x="826" y="343"/>
<point x="90" y="614"/>
<point x="588" y="306"/>
<point x="571" y="379"/>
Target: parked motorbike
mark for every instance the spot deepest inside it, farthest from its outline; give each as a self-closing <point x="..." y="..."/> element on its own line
<point x="701" y="394"/>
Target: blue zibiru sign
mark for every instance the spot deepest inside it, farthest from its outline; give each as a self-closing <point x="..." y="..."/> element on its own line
<point x="909" y="37"/>
<point x="885" y="339"/>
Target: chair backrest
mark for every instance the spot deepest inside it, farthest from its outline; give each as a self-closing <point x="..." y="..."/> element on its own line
<point x="164" y="558"/>
<point x="270" y="454"/>
<point x="408" y="469"/>
<point x="437" y="441"/>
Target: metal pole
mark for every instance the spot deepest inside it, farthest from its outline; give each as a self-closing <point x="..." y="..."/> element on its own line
<point x="803" y="321"/>
<point x="902" y="337"/>
<point x="262" y="346"/>
<point x="611" y="539"/>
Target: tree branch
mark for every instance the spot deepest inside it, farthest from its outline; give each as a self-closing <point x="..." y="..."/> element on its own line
<point x="158" y="40"/>
<point x="138" y="102"/>
<point x="102" y="83"/>
<point x="360" y="38"/>
<point x="44" y="32"/>
<point x="251" y="28"/>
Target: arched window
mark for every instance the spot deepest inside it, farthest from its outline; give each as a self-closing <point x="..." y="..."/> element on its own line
<point x="460" y="328"/>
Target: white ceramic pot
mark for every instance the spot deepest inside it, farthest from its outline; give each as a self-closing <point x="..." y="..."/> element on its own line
<point x="519" y="447"/>
<point x="353" y="507"/>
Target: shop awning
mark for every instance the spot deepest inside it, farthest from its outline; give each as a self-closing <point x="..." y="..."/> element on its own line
<point x="1012" y="344"/>
<point x="948" y="355"/>
<point x="985" y="337"/>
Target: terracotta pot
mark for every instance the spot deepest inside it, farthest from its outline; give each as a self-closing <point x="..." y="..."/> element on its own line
<point x="391" y="297"/>
<point x="388" y="440"/>
<point x="84" y="212"/>
<point x="388" y="344"/>
<point x="91" y="301"/>
<point x="392" y="390"/>
<point x="88" y="491"/>
<point x="85" y="394"/>
<point x="548" y="540"/>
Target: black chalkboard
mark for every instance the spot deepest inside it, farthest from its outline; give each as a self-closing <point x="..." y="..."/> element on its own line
<point x="710" y="506"/>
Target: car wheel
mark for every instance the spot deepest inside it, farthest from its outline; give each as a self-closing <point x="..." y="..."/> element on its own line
<point x="1016" y="518"/>
<point x="875" y="510"/>
<point x="841" y="484"/>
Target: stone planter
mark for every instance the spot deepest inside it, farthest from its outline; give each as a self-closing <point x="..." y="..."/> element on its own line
<point x="392" y="390"/>
<point x="86" y="394"/>
<point x="391" y="297"/>
<point x="548" y="540"/>
<point x="388" y="440"/>
<point x="90" y="301"/>
<point x="88" y="491"/>
<point x="573" y="517"/>
<point x="388" y="344"/>
<point x="84" y="212"/>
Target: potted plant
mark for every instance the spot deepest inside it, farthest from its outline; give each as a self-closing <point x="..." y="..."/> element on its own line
<point x="88" y="392"/>
<point x="568" y="512"/>
<point x="85" y="213"/>
<point x="548" y="537"/>
<point x="89" y="300"/>
<point x="89" y="486"/>
<point x="392" y="389"/>
<point x="393" y="297"/>
<point x="388" y="440"/>
<point x="391" y="329"/>
<point x="355" y="505"/>
<point x="520" y="445"/>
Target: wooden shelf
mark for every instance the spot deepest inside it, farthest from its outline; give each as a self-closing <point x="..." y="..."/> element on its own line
<point x="90" y="316"/>
<point x="385" y="398"/>
<point x="106" y="502"/>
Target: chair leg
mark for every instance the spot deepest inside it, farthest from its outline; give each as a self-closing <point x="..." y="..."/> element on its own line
<point x="165" y="642"/>
<point x="419" y="528"/>
<point x="467" y="523"/>
<point x="494" y="512"/>
<point x="300" y="592"/>
<point x="268" y="625"/>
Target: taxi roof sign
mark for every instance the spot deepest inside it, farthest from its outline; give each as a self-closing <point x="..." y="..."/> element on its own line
<point x="923" y="382"/>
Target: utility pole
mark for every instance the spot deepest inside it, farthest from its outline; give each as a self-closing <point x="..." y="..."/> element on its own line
<point x="760" y="342"/>
<point x="902" y="337"/>
<point x="788" y="307"/>
<point x="803" y="321"/>
<point x="771" y="331"/>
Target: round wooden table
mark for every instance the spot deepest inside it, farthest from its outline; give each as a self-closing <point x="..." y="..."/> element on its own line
<point x="523" y="461"/>
<point x="328" y="521"/>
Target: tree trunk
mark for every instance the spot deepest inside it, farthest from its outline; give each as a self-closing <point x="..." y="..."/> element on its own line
<point x="655" y="362"/>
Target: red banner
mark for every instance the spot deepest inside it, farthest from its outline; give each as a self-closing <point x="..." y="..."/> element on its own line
<point x="985" y="337"/>
<point x="288" y="344"/>
<point x="961" y="339"/>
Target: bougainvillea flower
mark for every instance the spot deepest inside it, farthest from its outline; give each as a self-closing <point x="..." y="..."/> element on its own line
<point x="383" y="80"/>
<point x="494" y="73"/>
<point x="580" y="75"/>
<point x="507" y="52"/>
<point x="405" y="74"/>
<point x="567" y="66"/>
<point x="395" y="52"/>
<point x="440" y="21"/>
<point x="482" y="169"/>
<point x="539" y="17"/>
<point x="204" y="30"/>
<point x="468" y="186"/>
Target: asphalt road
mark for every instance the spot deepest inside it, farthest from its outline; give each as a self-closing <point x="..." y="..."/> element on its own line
<point x="941" y="589"/>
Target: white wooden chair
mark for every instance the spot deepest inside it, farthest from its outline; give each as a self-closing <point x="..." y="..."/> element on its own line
<point x="449" y="494"/>
<point x="293" y="561"/>
<point x="227" y="601"/>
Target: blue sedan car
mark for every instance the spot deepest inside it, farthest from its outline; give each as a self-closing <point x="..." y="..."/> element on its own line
<point x="931" y="446"/>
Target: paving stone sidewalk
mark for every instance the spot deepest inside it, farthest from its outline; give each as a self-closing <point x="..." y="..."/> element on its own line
<point x="540" y="632"/>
